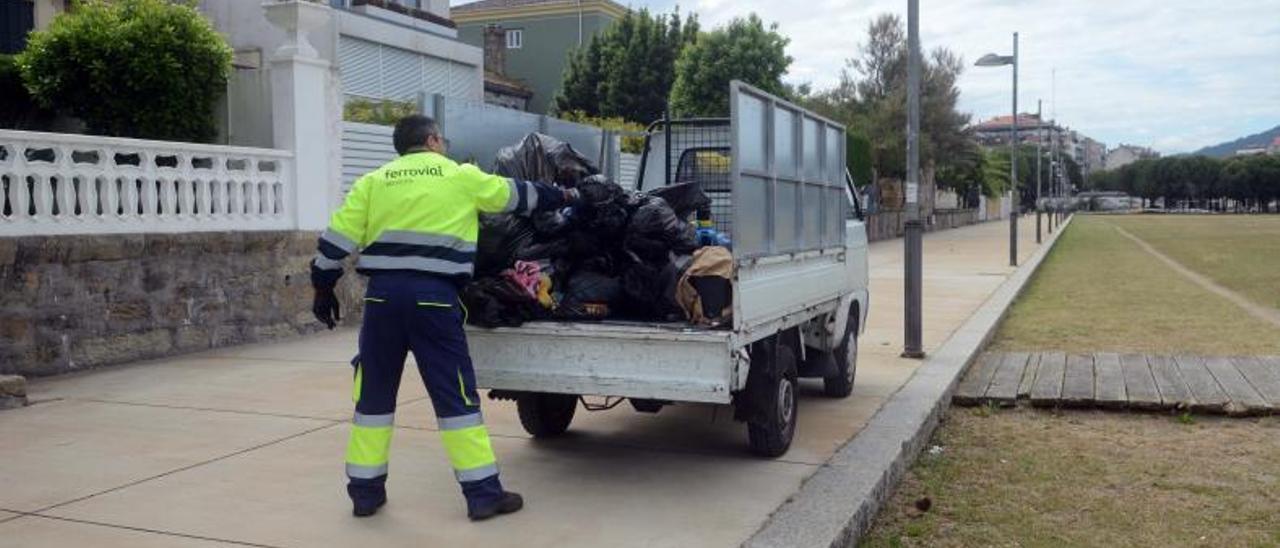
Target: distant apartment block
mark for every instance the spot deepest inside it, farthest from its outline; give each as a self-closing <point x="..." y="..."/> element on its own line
<point x="538" y="36"/>
<point x="1124" y="155"/>
<point x="1088" y="153"/>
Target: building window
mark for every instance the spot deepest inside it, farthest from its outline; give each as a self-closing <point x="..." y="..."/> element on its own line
<point x="16" y="20"/>
<point x="515" y="39"/>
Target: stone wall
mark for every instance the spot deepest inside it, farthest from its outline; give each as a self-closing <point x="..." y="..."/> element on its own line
<point x="887" y="224"/>
<point x="74" y="302"/>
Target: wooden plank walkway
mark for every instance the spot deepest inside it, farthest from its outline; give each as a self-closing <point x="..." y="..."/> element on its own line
<point x="1238" y="386"/>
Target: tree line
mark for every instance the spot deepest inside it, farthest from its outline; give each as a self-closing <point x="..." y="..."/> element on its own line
<point x="1238" y="183"/>
<point x="635" y="69"/>
<point x="644" y="63"/>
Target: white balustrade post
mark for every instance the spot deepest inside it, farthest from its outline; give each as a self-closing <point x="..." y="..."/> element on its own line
<point x="300" y="116"/>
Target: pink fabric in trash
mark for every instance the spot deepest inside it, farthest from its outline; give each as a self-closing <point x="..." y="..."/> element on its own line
<point x="526" y="275"/>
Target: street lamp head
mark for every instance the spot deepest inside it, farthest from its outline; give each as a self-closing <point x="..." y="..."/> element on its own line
<point x="993" y="60"/>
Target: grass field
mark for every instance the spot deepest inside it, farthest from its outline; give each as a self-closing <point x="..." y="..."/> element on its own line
<point x="1024" y="477"/>
<point x="1241" y="252"/>
<point x="1099" y="291"/>
<point x="1032" y="478"/>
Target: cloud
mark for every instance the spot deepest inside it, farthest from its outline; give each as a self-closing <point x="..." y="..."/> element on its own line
<point x="1191" y="72"/>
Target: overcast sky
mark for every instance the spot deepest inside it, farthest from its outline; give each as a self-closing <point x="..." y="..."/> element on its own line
<point x="1173" y="74"/>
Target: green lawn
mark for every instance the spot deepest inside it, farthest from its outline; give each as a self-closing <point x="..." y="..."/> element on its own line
<point x="1241" y="252"/>
<point x="1032" y="478"/>
<point x="1099" y="291"/>
<point x="1024" y="477"/>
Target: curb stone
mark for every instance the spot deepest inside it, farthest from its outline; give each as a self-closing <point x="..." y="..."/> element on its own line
<point x="836" y="505"/>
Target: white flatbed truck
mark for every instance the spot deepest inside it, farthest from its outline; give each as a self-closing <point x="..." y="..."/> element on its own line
<point x="776" y="175"/>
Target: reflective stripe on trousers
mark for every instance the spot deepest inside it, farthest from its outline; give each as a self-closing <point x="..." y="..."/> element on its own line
<point x="466" y="440"/>
<point x="369" y="447"/>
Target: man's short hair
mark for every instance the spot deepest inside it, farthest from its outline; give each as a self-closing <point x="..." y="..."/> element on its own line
<point x="412" y="132"/>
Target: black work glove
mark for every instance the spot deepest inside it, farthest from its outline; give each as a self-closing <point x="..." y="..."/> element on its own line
<point x="325" y="305"/>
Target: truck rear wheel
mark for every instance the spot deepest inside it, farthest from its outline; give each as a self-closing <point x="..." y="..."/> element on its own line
<point x="546" y="415"/>
<point x="840" y="384"/>
<point x="770" y="431"/>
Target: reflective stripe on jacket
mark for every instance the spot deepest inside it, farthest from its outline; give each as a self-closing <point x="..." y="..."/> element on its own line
<point x="420" y="213"/>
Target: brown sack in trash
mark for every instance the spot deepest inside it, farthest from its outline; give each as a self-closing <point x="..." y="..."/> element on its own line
<point x="712" y="261"/>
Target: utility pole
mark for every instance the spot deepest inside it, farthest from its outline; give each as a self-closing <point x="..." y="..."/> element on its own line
<point x="913" y="339"/>
<point x="1039" y="135"/>
<point x="1013" y="164"/>
<point x="1054" y="137"/>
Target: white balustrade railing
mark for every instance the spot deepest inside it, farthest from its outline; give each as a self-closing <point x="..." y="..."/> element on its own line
<point x="52" y="183"/>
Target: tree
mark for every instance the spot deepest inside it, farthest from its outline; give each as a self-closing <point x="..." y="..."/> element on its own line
<point x="872" y="96"/>
<point x="627" y="71"/>
<point x="137" y="68"/>
<point x="1249" y="181"/>
<point x="743" y="50"/>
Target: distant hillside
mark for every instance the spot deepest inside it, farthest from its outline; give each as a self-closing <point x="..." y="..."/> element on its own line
<point x="1227" y="149"/>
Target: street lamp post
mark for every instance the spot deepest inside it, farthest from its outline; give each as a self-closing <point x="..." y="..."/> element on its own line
<point x="993" y="60"/>
<point x="1053" y="193"/>
<point x="913" y="340"/>
<point x="1039" y="137"/>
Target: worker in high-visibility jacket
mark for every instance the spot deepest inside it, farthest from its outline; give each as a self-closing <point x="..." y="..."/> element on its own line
<point x="414" y="223"/>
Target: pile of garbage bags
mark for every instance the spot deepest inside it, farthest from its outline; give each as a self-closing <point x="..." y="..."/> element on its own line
<point x="628" y="255"/>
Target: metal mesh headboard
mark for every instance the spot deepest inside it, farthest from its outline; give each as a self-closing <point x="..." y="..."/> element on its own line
<point x="699" y="151"/>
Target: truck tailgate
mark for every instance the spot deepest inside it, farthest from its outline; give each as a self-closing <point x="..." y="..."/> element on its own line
<point x="607" y="359"/>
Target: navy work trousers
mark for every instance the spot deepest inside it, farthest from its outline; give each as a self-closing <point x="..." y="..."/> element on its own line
<point x="417" y="312"/>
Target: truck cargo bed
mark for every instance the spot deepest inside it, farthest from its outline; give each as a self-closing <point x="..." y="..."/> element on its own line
<point x="673" y="361"/>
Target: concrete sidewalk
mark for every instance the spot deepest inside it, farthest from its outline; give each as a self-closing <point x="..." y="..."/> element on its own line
<point x="244" y="445"/>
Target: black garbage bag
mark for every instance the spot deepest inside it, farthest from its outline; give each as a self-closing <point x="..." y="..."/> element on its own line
<point x="543" y="250"/>
<point x="545" y="159"/>
<point x="502" y="240"/>
<point x="589" y="295"/>
<point x="607" y="221"/>
<point x="684" y="198"/>
<point x="598" y="190"/>
<point x="649" y="291"/>
<point x="570" y="167"/>
<point x="525" y="161"/>
<point x="552" y="223"/>
<point x="498" y="302"/>
<point x="654" y="231"/>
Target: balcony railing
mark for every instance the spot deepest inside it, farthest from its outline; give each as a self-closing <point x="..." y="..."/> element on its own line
<point x="77" y="184"/>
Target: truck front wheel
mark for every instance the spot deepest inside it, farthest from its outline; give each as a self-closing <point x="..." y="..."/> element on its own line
<point x="840" y="384"/>
<point x="546" y="415"/>
<point x="772" y="428"/>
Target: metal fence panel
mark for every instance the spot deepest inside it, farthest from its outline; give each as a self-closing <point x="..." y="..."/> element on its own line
<point x="475" y="131"/>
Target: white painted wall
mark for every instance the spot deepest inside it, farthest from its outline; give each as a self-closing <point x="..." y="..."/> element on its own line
<point x="244" y="23"/>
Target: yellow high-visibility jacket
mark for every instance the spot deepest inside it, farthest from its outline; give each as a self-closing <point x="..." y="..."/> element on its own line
<point x="420" y="213"/>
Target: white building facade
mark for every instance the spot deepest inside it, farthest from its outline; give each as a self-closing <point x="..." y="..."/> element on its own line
<point x="373" y="53"/>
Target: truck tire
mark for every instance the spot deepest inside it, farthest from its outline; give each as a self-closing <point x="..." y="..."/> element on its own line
<point x="770" y="431"/>
<point x="546" y="415"/>
<point x="840" y="385"/>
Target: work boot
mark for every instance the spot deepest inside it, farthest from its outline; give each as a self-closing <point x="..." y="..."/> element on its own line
<point x="509" y="503"/>
<point x="364" y="509"/>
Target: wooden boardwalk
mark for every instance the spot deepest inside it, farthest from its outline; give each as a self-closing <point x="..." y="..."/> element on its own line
<point x="1240" y="386"/>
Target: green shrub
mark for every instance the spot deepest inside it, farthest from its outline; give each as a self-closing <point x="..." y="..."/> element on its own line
<point x="632" y="144"/>
<point x="150" y="69"/>
<point x="383" y="113"/>
<point x="858" y="158"/>
<point x="17" y="109"/>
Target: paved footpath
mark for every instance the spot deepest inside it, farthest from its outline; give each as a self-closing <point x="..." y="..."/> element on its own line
<point x="245" y="445"/>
